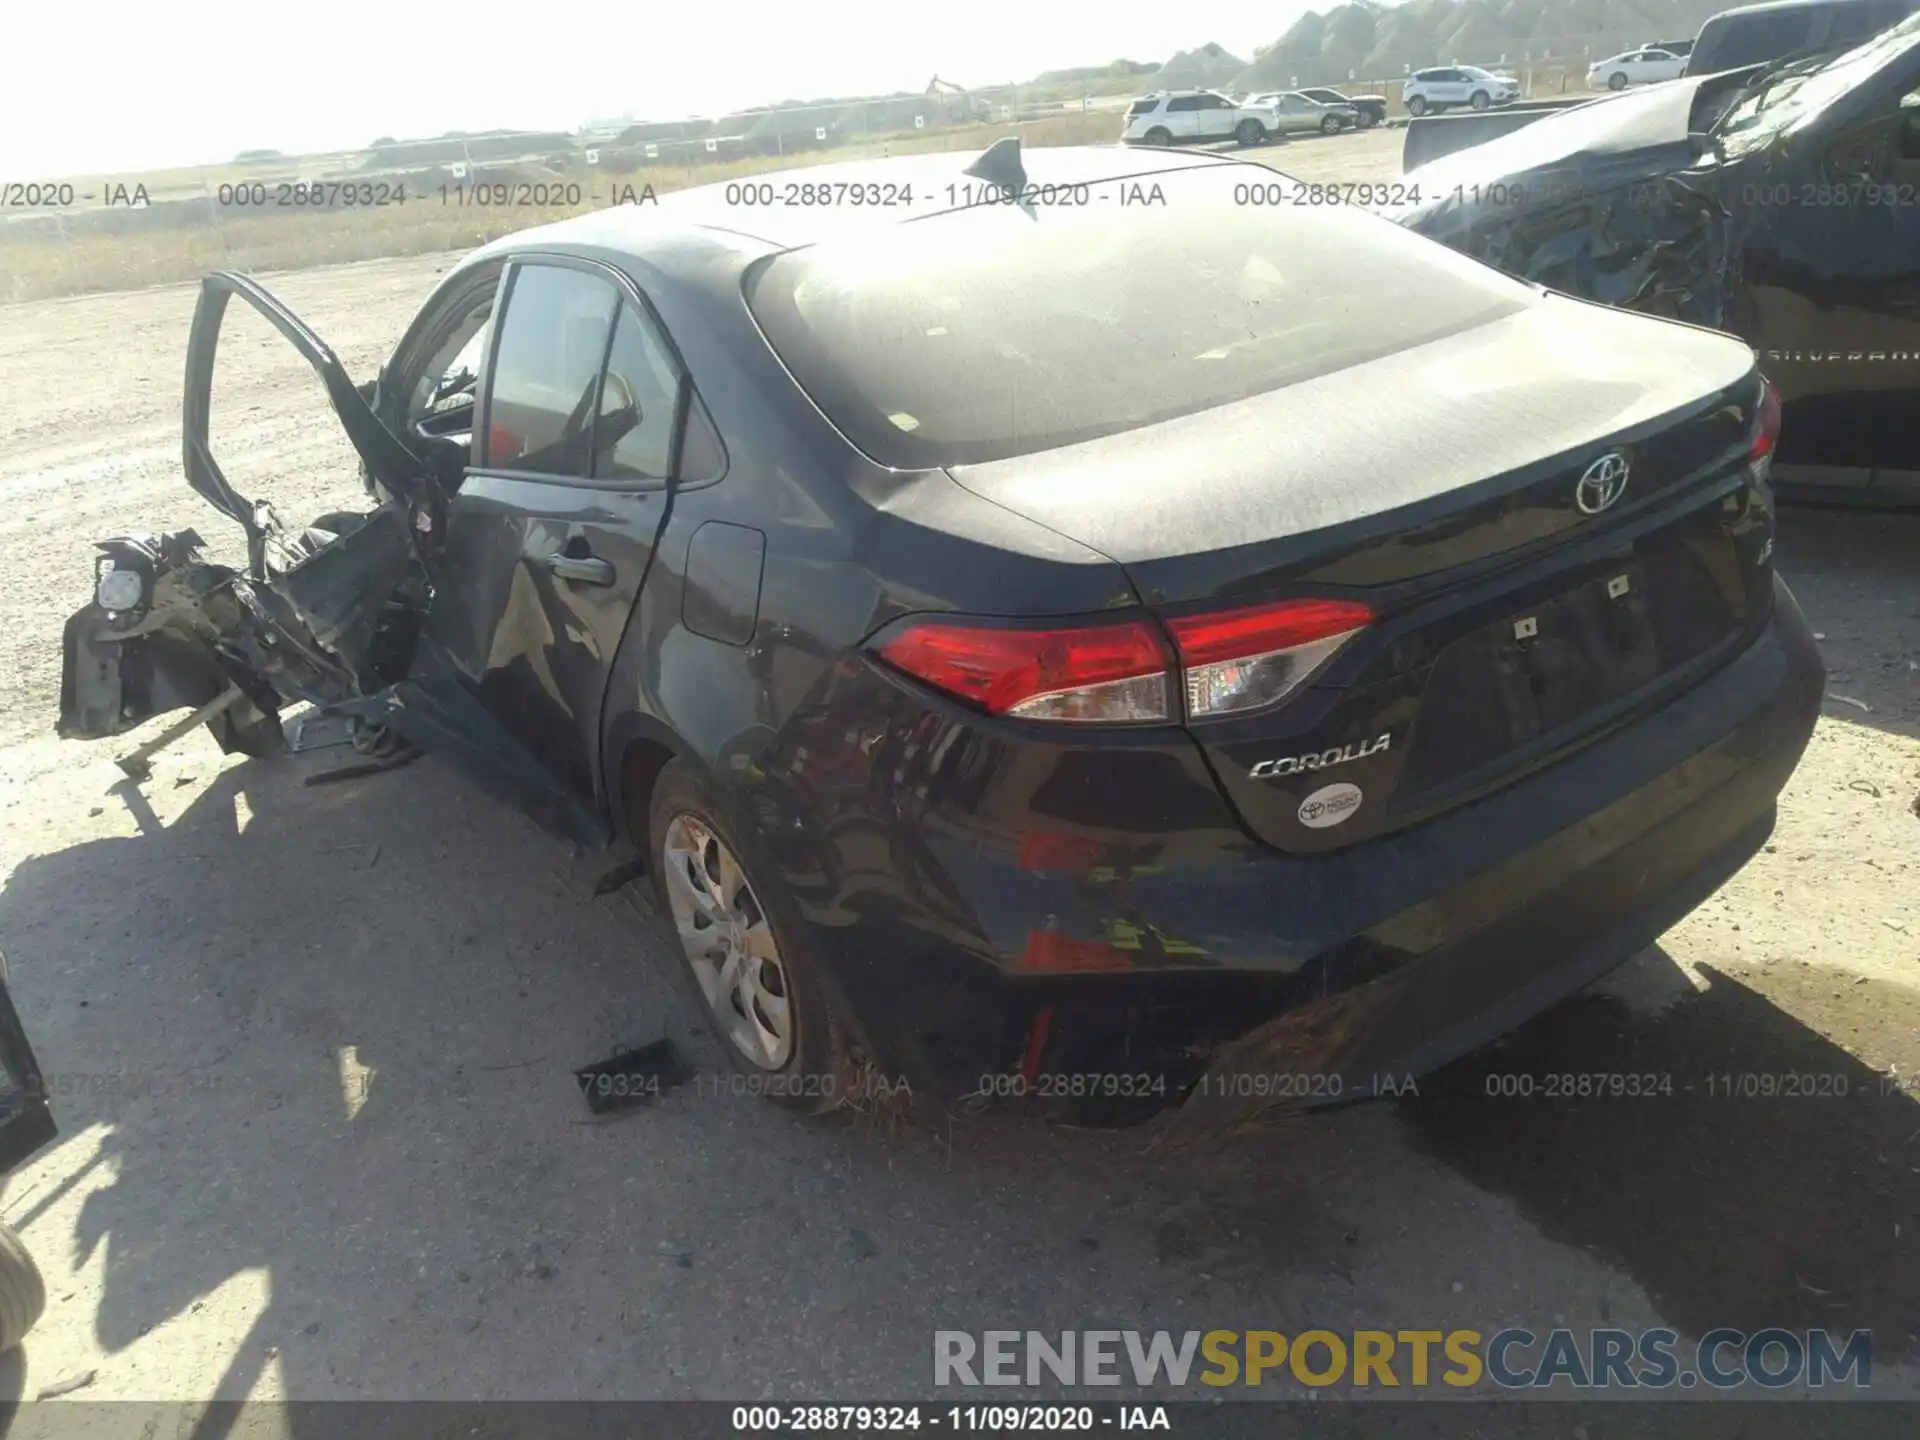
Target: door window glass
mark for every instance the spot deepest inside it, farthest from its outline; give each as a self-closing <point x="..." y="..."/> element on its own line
<point x="546" y="372"/>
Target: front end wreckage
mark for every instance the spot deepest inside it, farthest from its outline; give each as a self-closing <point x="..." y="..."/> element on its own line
<point x="330" y="614"/>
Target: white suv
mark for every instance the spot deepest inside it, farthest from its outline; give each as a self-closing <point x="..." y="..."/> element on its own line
<point x="1427" y="92"/>
<point x="1192" y="117"/>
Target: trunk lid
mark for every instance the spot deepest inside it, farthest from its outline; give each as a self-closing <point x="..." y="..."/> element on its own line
<point x="1452" y="489"/>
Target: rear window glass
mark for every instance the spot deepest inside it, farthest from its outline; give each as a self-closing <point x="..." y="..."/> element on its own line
<point x="1002" y="330"/>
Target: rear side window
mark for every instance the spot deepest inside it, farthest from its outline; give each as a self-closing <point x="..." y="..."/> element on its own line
<point x="1184" y="102"/>
<point x="1854" y="23"/>
<point x="634" y="440"/>
<point x="1001" y="330"/>
<point x="1752" y="39"/>
<point x="546" y="371"/>
<point x="1142" y="107"/>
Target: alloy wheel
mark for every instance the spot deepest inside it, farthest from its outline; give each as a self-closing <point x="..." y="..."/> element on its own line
<point x="728" y="942"/>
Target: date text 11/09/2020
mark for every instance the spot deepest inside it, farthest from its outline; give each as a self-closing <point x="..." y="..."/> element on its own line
<point x="1232" y="1084"/>
<point x="992" y="1419"/>
<point x="1328" y="1086"/>
<point x="476" y="194"/>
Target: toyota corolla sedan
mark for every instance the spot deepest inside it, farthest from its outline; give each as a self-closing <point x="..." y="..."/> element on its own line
<point x="1039" y="623"/>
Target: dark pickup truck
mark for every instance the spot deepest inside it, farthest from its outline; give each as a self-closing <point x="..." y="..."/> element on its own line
<point x="1780" y="203"/>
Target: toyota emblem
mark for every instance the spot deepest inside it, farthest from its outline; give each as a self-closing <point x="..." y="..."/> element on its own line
<point x="1602" y="483"/>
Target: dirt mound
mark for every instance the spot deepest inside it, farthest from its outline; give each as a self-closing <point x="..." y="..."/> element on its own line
<point x="1192" y="69"/>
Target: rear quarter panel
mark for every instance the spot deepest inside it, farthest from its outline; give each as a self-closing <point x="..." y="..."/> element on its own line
<point x="848" y="547"/>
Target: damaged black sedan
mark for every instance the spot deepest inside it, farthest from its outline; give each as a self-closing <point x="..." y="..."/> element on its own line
<point x="1781" y="204"/>
<point x="1035" y="645"/>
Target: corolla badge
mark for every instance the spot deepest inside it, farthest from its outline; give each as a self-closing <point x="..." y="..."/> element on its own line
<point x="1602" y="483"/>
<point x="1337" y="755"/>
<point x="1329" y="805"/>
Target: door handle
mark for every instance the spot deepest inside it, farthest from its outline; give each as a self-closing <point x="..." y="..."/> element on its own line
<point x="581" y="569"/>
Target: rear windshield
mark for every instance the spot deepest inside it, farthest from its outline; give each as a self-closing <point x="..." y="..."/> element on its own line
<point x="996" y="331"/>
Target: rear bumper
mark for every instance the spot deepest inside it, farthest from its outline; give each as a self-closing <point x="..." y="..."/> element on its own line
<point x="1394" y="956"/>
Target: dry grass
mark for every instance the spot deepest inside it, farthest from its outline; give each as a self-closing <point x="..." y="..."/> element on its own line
<point x="38" y="265"/>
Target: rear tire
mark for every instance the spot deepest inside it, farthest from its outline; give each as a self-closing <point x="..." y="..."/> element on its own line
<point x="1617" y="80"/>
<point x="1481" y="100"/>
<point x="1159" y="136"/>
<point x="23" y="1294"/>
<point x="1417" y="106"/>
<point x="1250" y="132"/>
<point x="739" y="937"/>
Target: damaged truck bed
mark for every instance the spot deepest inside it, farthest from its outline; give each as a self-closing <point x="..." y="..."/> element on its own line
<point x="1779" y="203"/>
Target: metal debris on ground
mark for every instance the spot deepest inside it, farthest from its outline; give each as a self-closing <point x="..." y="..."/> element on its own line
<point x="633" y="1077"/>
<point x="370" y="767"/>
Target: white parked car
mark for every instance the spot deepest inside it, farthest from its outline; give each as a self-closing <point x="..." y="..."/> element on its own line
<point x="1427" y="92"/>
<point x="1191" y="117"/>
<point x="1636" y="67"/>
<point x="1299" y="113"/>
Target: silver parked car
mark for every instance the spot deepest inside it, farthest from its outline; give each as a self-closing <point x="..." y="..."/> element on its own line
<point x="1297" y="113"/>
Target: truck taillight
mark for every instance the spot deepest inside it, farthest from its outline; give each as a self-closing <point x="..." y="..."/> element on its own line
<point x="1120" y="672"/>
<point x="1766" y="430"/>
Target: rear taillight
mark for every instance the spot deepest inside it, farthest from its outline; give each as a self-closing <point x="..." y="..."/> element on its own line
<point x="1766" y="429"/>
<point x="1119" y="672"/>
<point x="1248" y="659"/>
<point x="1109" y="673"/>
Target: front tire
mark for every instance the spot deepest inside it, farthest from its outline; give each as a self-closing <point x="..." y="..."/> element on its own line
<point x="23" y="1294"/>
<point x="739" y="937"/>
<point x="1331" y="125"/>
<point x="1481" y="100"/>
<point x="1617" y="80"/>
<point x="1417" y="106"/>
<point x="1250" y="132"/>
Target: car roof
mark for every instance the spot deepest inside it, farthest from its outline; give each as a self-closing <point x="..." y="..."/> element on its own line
<point x="674" y="227"/>
<point x="1771" y="6"/>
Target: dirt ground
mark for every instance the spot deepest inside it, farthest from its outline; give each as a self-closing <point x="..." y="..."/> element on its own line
<point x="311" y="1046"/>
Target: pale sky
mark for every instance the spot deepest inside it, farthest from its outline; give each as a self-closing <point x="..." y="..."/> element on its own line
<point x="105" y="86"/>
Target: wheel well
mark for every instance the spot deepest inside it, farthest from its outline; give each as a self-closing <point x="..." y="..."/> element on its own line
<point x="640" y="767"/>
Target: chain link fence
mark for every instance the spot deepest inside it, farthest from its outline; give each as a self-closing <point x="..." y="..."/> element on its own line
<point x="269" y="212"/>
<point x="266" y="212"/>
